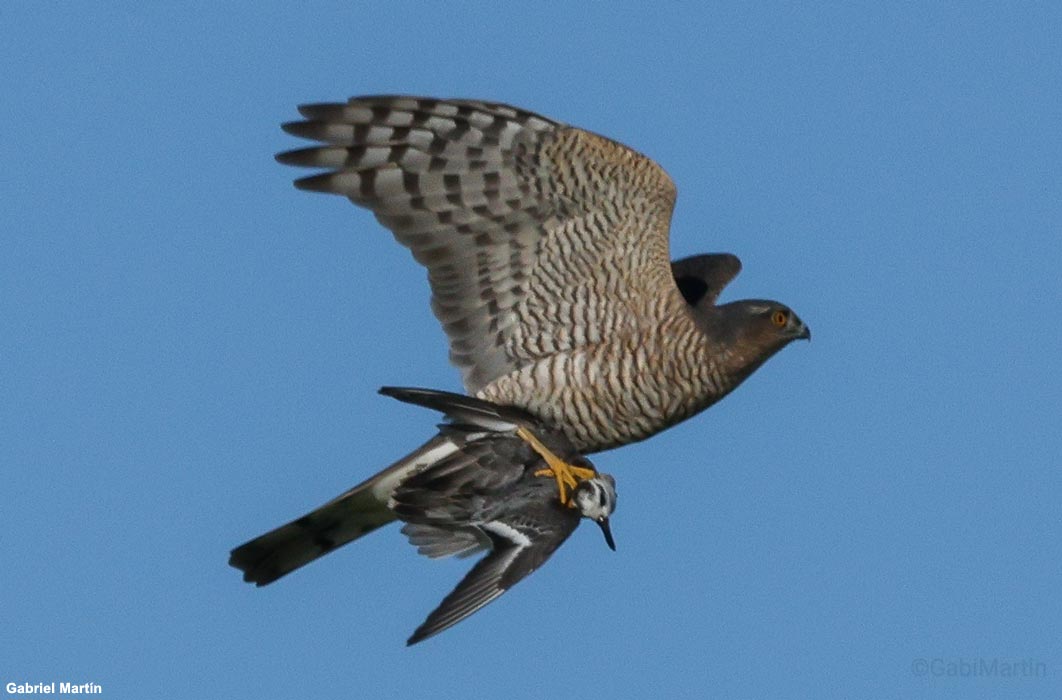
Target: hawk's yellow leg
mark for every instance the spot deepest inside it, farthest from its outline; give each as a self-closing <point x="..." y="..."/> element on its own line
<point x="567" y="475"/>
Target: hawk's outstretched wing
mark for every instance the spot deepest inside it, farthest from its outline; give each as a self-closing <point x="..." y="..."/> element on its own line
<point x="538" y="237"/>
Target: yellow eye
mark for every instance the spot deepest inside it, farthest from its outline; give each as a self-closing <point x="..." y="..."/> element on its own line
<point x="779" y="318"/>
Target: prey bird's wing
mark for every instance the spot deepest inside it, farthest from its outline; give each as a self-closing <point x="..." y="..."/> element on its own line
<point x="520" y="546"/>
<point x="462" y="486"/>
<point x="436" y="542"/>
<point x="483" y="454"/>
<point x="538" y="237"/>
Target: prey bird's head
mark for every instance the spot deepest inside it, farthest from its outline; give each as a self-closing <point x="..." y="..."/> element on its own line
<point x="595" y="498"/>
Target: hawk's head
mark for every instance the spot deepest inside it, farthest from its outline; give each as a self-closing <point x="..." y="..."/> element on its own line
<point x="748" y="332"/>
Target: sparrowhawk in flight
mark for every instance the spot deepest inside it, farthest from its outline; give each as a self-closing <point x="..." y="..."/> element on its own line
<point x="546" y="248"/>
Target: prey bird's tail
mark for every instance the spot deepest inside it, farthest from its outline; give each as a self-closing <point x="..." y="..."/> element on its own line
<point x="344" y="519"/>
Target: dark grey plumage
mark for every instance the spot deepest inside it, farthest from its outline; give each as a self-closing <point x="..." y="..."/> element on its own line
<point x="475" y="489"/>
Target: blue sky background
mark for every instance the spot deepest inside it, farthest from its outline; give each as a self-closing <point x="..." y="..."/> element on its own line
<point x="190" y="350"/>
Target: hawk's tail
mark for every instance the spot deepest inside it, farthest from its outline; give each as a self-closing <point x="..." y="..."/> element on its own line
<point x="461" y="409"/>
<point x="357" y="512"/>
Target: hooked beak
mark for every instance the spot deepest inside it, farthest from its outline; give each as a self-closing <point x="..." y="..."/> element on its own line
<point x="603" y="523"/>
<point x="798" y="329"/>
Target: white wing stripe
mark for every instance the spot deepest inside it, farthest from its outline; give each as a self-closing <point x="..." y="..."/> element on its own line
<point x="383" y="489"/>
<point x="508" y="532"/>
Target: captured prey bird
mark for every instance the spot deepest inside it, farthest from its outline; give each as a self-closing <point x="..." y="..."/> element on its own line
<point x="546" y="248"/>
<point x="487" y="481"/>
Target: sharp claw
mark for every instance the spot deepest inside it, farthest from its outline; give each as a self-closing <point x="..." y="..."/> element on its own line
<point x="567" y="475"/>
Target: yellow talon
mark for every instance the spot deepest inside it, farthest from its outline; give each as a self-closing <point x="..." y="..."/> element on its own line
<point x="567" y="475"/>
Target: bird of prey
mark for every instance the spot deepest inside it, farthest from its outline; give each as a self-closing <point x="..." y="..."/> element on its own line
<point x="491" y="489"/>
<point x="546" y="248"/>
